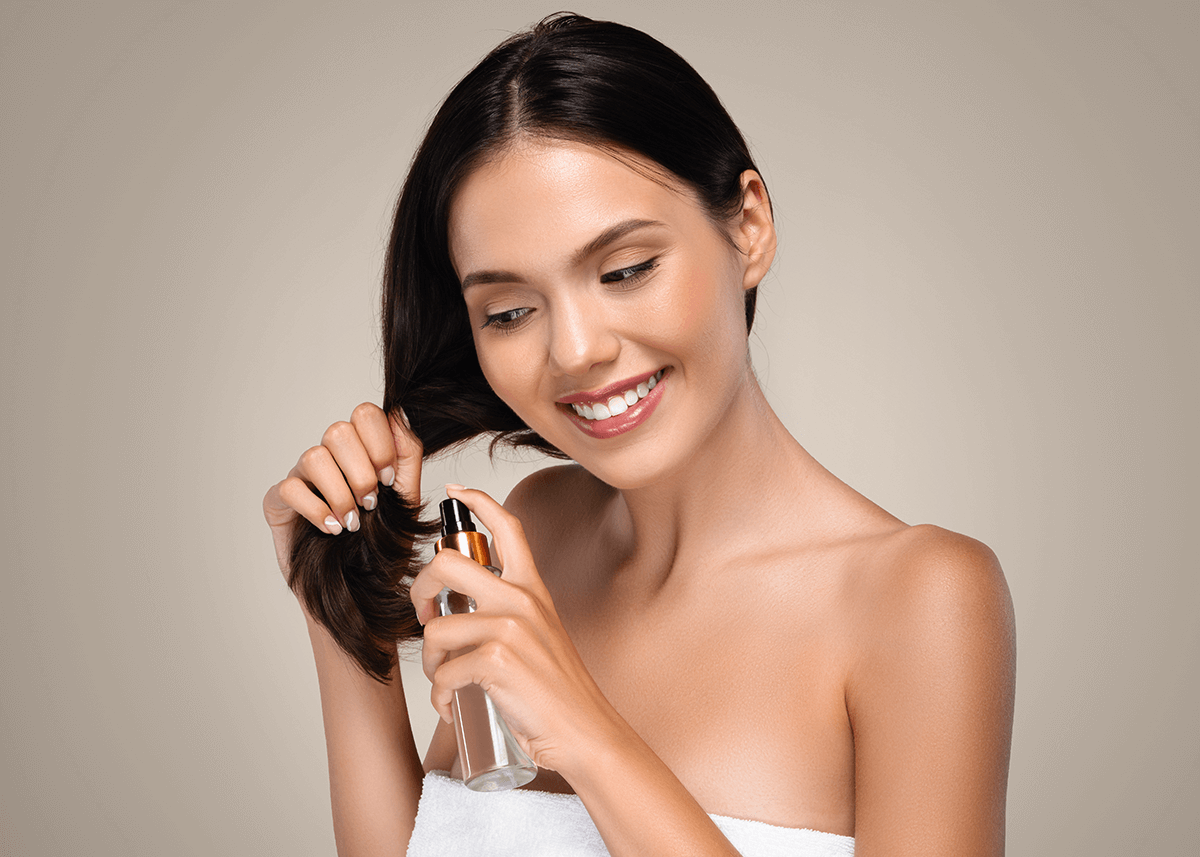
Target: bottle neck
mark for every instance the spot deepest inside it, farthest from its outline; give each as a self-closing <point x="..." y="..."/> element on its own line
<point x="467" y="542"/>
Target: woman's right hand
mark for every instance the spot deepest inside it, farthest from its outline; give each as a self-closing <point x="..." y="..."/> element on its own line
<point x="354" y="461"/>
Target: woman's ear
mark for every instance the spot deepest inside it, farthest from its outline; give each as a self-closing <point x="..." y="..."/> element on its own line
<point x="754" y="230"/>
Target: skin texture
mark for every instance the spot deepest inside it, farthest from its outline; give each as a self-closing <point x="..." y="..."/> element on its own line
<point x="697" y="604"/>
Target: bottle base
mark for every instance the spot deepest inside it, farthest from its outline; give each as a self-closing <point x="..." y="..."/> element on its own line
<point x="501" y="779"/>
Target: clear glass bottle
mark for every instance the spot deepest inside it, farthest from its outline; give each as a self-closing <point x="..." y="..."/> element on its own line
<point x="490" y="757"/>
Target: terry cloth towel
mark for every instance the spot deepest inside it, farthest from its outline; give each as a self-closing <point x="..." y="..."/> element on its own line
<point x="453" y="820"/>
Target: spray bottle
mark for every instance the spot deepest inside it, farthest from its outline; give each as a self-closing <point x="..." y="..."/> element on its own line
<point x="490" y="757"/>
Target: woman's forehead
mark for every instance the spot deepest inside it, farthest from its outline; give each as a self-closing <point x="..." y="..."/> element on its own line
<point x="558" y="194"/>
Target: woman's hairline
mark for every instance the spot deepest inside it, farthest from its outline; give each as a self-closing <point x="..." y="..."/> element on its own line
<point x="643" y="165"/>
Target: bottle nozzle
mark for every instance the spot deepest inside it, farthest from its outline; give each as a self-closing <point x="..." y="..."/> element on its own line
<point x="456" y="517"/>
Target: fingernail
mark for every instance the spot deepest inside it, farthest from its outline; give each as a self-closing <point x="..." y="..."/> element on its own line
<point x="352" y="521"/>
<point x="404" y="417"/>
<point x="332" y="525"/>
<point x="369" y="501"/>
<point x="454" y="486"/>
<point x="387" y="476"/>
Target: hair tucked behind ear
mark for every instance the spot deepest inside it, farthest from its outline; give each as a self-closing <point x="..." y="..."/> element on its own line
<point x="568" y="78"/>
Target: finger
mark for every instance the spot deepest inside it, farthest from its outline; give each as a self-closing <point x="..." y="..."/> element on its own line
<point x="447" y="637"/>
<point x="476" y="667"/>
<point x="352" y="459"/>
<point x="450" y="569"/>
<point x="371" y="423"/>
<point x="409" y="453"/>
<point x="295" y="494"/>
<point x="508" y="536"/>
<point x="317" y="467"/>
<point x="276" y="510"/>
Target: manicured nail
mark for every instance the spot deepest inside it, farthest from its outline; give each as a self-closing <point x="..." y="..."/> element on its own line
<point x="332" y="525"/>
<point x="387" y="476"/>
<point x="352" y="521"/>
<point x="369" y="501"/>
<point x="404" y="418"/>
<point x="454" y="486"/>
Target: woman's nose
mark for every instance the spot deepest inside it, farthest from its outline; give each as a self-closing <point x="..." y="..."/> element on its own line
<point x="580" y="338"/>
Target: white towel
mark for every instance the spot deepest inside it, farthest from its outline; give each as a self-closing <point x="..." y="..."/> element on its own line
<point x="453" y="820"/>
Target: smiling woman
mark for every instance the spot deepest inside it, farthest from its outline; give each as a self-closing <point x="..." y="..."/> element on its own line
<point x="573" y="267"/>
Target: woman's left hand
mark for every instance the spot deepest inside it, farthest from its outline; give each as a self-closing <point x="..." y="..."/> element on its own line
<point x="522" y="655"/>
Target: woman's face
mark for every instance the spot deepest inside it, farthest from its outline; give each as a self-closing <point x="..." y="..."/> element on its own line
<point x="593" y="288"/>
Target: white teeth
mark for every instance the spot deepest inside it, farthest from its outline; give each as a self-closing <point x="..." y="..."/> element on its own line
<point x="618" y="404"/>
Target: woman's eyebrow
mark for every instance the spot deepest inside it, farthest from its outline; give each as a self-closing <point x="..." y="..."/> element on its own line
<point x="613" y="233"/>
<point x="481" y="277"/>
<point x="608" y="236"/>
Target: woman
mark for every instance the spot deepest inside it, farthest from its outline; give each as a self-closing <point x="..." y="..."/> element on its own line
<point x="695" y="619"/>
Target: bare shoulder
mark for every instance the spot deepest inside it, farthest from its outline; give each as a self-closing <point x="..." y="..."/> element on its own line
<point x="927" y="568"/>
<point x="937" y="597"/>
<point x="553" y="495"/>
<point x="557" y="506"/>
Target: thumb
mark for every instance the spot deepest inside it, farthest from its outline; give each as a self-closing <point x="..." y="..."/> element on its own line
<point x="409" y="453"/>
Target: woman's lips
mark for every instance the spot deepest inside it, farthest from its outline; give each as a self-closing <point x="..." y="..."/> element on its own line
<point x="626" y="416"/>
<point x="602" y="405"/>
<point x="604" y="393"/>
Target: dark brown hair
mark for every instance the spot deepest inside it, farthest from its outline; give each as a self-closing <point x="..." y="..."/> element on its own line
<point x="567" y="78"/>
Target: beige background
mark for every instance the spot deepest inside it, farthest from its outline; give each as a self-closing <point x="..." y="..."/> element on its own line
<point x="984" y="315"/>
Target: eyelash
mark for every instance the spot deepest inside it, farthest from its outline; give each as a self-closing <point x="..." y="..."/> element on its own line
<point x="635" y="274"/>
<point x="510" y="320"/>
<point x="503" y="324"/>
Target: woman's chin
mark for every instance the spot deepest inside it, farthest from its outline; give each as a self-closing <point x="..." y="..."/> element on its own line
<point x="631" y="469"/>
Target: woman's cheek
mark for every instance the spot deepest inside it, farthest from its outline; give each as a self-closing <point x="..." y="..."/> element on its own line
<point x="512" y="374"/>
<point x="687" y="312"/>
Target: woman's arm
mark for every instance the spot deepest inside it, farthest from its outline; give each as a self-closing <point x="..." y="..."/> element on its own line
<point x="374" y="770"/>
<point x="637" y="803"/>
<point x="931" y="700"/>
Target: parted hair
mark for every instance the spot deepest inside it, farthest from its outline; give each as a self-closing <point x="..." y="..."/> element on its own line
<point x="567" y="78"/>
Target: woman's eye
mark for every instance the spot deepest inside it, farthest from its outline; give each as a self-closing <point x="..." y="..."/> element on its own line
<point x="507" y="320"/>
<point x="632" y="274"/>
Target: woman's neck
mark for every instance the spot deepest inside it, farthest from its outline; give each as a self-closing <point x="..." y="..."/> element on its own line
<point x="750" y="479"/>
